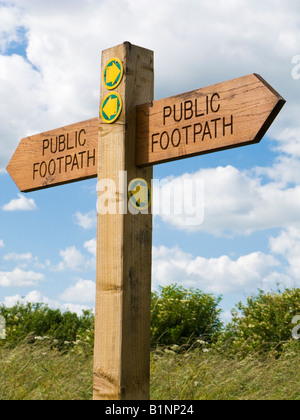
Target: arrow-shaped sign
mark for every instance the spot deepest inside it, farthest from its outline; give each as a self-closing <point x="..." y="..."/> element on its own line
<point x="223" y="116"/>
<point x="111" y="107"/>
<point x="112" y="73"/>
<point x="56" y="157"/>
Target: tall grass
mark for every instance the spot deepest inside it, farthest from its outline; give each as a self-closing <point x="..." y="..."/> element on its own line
<point x="253" y="358"/>
<point x="37" y="372"/>
<point x="204" y="376"/>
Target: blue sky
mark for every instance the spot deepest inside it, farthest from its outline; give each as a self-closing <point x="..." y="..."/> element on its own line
<point x="50" y="57"/>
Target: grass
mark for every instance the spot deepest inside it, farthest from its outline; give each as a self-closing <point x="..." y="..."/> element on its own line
<point x="35" y="372"/>
<point x="196" y="376"/>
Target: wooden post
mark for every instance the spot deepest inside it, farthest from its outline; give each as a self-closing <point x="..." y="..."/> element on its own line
<point x="134" y="130"/>
<point x="124" y="244"/>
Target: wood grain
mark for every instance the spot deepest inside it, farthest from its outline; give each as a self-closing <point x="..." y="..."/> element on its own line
<point x="124" y="246"/>
<point x="56" y="157"/>
<point x="230" y="114"/>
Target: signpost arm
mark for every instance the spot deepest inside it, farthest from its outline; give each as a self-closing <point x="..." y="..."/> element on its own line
<point x="124" y="243"/>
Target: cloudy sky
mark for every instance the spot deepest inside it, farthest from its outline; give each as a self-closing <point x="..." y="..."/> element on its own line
<point x="50" y="58"/>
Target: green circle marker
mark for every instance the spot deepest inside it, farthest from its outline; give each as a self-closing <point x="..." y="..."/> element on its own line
<point x="111" y="108"/>
<point x="113" y="73"/>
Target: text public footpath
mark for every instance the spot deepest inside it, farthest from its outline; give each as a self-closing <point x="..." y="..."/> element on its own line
<point x="186" y="133"/>
<point x="68" y="162"/>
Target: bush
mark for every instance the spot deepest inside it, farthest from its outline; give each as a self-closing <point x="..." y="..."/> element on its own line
<point x="264" y="323"/>
<point x="38" y="320"/>
<point x="181" y="316"/>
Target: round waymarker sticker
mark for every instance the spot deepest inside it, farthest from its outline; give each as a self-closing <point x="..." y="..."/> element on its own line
<point x="113" y="73"/>
<point x="139" y="193"/>
<point x="111" y="108"/>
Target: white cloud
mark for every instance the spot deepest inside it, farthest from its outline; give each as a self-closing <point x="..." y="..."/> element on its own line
<point x="58" y="81"/>
<point x="18" y="257"/>
<point x="287" y="244"/>
<point x="75" y="308"/>
<point x="24" y="259"/>
<point x="20" y="204"/>
<point x="237" y="202"/>
<point x="1" y="243"/>
<point x="20" y="278"/>
<point x="215" y="275"/>
<point x="10" y="18"/>
<point x="284" y="171"/>
<point x="37" y="297"/>
<point x="10" y="301"/>
<point x="21" y="104"/>
<point x="86" y="221"/>
<point x="289" y="141"/>
<point x="91" y="246"/>
<point x="32" y="297"/>
<point x="72" y="259"/>
<point x="84" y="291"/>
<point x="182" y="198"/>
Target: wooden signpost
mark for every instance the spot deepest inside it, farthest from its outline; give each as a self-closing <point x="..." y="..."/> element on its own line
<point x="227" y="115"/>
<point x="132" y="134"/>
<point x="124" y="248"/>
<point x="56" y="157"/>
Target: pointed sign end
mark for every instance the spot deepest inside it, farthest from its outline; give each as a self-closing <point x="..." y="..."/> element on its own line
<point x="10" y="169"/>
<point x="281" y="100"/>
<point x="279" y="103"/>
<point x="14" y="166"/>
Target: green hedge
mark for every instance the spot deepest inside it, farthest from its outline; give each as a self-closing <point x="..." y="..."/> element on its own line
<point x="264" y="323"/>
<point x="36" y="320"/>
<point x="179" y="317"/>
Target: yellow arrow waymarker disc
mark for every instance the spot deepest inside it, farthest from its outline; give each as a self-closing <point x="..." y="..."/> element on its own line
<point x="139" y="193"/>
<point x="111" y="108"/>
<point x="112" y="74"/>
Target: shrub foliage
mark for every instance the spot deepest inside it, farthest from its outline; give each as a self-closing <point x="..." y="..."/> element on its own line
<point x="180" y="316"/>
<point x="38" y="320"/>
<point x="264" y="323"/>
